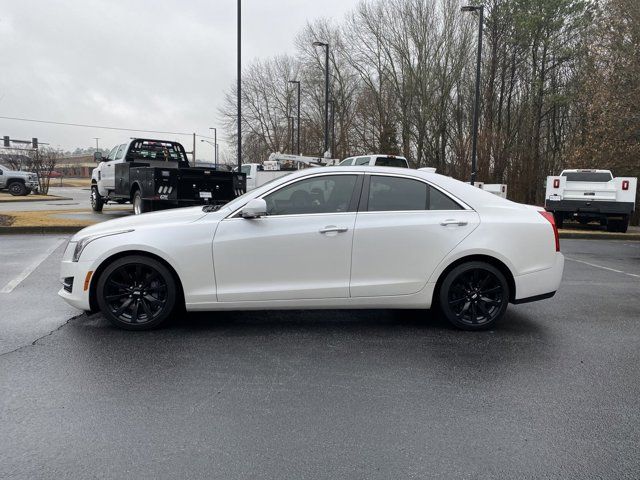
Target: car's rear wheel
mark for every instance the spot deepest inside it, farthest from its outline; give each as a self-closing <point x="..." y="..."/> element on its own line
<point x="17" y="189"/>
<point x="136" y="293"/>
<point x="474" y="295"/>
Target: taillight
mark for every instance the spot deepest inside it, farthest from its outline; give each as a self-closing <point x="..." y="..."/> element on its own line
<point x="549" y="217"/>
<point x="625" y="184"/>
<point x="556" y="183"/>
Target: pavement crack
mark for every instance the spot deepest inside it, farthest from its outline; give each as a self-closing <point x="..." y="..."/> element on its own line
<point x="35" y="342"/>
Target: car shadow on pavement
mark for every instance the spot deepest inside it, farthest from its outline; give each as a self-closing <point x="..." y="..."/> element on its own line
<point x="393" y="337"/>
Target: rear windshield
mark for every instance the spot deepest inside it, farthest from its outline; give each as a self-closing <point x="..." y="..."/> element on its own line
<point x="157" y="150"/>
<point x="391" y="162"/>
<point x="587" y="176"/>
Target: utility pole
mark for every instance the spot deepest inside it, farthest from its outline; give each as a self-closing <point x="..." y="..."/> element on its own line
<point x="476" y="109"/>
<point x="239" y="67"/>
<point x="215" y="147"/>
<point x="298" y="121"/>
<point x="194" y="150"/>
<point x="326" y="92"/>
<point x="96" y="139"/>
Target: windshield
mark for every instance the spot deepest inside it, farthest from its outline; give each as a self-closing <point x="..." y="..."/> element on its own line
<point x="157" y="150"/>
<point x="391" y="162"/>
<point x="601" y="177"/>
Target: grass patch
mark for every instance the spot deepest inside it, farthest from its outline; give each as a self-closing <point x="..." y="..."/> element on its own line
<point x="7" y="197"/>
<point x="46" y="218"/>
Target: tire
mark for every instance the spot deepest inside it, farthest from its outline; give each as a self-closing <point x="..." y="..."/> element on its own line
<point x="97" y="201"/>
<point x="17" y="189"/>
<point x="139" y="205"/>
<point x="559" y="219"/>
<point x="136" y="293"/>
<point x="474" y="296"/>
<point x="624" y="225"/>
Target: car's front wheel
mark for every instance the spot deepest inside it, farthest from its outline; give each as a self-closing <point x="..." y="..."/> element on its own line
<point x="136" y="293"/>
<point x="474" y="295"/>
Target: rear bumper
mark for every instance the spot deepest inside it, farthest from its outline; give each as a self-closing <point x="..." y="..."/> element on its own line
<point x="589" y="207"/>
<point x="541" y="284"/>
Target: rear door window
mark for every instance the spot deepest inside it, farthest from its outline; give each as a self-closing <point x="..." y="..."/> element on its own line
<point x="404" y="194"/>
<point x="363" y="160"/>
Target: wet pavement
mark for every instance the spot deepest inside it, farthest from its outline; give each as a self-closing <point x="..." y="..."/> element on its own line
<point x="552" y="392"/>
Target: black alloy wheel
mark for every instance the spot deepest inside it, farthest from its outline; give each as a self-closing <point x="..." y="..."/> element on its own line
<point x="136" y="293"/>
<point x="474" y="295"/>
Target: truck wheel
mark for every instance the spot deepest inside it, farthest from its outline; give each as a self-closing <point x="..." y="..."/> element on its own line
<point x="623" y="224"/>
<point x="559" y="219"/>
<point x="17" y="189"/>
<point x="97" y="202"/>
<point x="140" y="205"/>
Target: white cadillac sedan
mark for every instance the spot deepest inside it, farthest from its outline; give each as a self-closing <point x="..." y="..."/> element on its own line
<point x="331" y="237"/>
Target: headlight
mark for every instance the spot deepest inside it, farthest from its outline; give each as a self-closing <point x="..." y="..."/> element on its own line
<point x="83" y="242"/>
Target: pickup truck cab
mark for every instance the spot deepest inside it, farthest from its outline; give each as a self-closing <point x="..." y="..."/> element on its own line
<point x="376" y="160"/>
<point x="155" y="174"/>
<point x="586" y="195"/>
<point x="18" y="183"/>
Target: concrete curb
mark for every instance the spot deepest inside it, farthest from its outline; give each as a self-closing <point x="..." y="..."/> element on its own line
<point x="40" y="230"/>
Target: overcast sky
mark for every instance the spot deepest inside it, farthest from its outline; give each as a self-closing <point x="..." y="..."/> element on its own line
<point x="158" y="65"/>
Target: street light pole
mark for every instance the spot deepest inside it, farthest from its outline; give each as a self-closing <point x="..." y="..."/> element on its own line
<point x="298" y="121"/>
<point x="239" y="73"/>
<point x="215" y="141"/>
<point x="326" y="92"/>
<point x="476" y="108"/>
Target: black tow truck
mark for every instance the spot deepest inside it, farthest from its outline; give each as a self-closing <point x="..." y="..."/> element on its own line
<point x="155" y="175"/>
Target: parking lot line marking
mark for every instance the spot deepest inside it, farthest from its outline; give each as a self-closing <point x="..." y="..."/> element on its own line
<point x="603" y="268"/>
<point x="8" y="288"/>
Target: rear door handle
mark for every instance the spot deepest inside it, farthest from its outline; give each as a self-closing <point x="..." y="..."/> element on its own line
<point x="333" y="228"/>
<point x="459" y="223"/>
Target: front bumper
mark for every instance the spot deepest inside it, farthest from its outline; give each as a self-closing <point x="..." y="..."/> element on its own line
<point x="541" y="283"/>
<point x="78" y="296"/>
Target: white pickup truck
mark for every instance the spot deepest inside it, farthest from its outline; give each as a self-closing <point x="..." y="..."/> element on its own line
<point x="278" y="165"/>
<point x="588" y="195"/>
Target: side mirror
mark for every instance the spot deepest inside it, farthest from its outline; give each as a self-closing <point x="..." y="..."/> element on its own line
<point x="97" y="157"/>
<point x="256" y="208"/>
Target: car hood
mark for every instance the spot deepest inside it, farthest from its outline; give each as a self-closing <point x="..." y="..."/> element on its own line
<point x="176" y="216"/>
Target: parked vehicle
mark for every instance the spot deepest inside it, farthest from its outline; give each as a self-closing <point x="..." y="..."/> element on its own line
<point x="333" y="237"/>
<point x="376" y="160"/>
<point x="18" y="183"/>
<point x="278" y="165"/>
<point x="499" y="189"/>
<point x="587" y="195"/>
<point x="155" y="174"/>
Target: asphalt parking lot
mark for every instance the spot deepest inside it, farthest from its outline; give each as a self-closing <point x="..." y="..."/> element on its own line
<point x="553" y="392"/>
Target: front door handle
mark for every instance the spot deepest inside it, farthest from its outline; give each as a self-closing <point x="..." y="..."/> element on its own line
<point x="451" y="221"/>
<point x="333" y="229"/>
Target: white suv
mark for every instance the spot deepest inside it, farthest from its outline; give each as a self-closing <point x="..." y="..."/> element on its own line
<point x="376" y="160"/>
